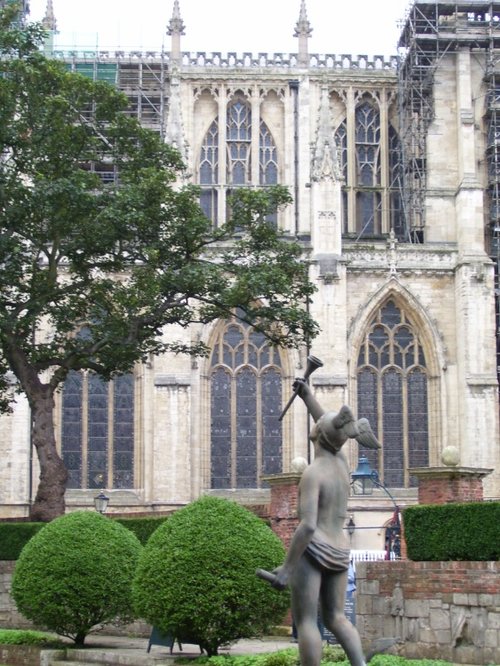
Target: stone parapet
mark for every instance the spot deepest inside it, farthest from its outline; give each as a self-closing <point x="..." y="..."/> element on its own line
<point x="442" y="485"/>
<point x="232" y="59"/>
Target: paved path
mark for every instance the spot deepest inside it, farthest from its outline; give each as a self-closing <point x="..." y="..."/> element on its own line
<point x="133" y="651"/>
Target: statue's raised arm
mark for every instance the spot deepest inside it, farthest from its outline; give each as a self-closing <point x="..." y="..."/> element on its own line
<point x="317" y="561"/>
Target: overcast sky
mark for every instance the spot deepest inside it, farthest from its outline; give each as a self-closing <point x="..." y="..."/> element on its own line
<point x="361" y="27"/>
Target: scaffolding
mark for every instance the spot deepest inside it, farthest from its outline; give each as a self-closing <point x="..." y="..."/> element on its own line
<point x="143" y="81"/>
<point x="431" y="30"/>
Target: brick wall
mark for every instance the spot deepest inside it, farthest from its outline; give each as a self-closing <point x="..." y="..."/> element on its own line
<point x="283" y="505"/>
<point x="459" y="489"/>
<point x="437" y="610"/>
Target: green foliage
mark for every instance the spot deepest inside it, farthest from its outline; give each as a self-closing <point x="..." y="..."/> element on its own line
<point x="288" y="657"/>
<point x="330" y="654"/>
<point x="76" y="573"/>
<point x="196" y="576"/>
<point x="14" y="536"/>
<point x="394" y="660"/>
<point x="142" y="527"/>
<point x="28" y="637"/>
<point x="68" y="237"/>
<point x="449" y="532"/>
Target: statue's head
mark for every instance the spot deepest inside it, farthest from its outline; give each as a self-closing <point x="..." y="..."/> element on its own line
<point x="327" y="433"/>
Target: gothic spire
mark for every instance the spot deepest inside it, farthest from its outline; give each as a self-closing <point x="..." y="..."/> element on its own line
<point x="303" y="31"/>
<point x="175" y="29"/>
<point x="176" y="24"/>
<point x="49" y="20"/>
<point x="325" y="164"/>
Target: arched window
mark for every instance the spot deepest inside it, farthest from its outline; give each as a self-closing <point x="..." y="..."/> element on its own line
<point x="97" y="431"/>
<point x="395" y="184"/>
<point x="392" y="394"/>
<point x="368" y="170"/>
<point x="246" y="386"/>
<point x="216" y="185"/>
<point x="342" y="152"/>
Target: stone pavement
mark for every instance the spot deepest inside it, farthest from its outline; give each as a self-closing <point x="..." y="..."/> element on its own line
<point x="133" y="651"/>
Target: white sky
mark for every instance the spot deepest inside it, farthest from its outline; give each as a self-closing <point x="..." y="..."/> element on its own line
<point x="367" y="27"/>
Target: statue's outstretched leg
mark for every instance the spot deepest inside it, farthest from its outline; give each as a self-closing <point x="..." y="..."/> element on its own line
<point x="305" y="587"/>
<point x="333" y="592"/>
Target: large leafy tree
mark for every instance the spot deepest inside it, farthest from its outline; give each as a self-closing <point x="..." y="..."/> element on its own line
<point x="123" y="260"/>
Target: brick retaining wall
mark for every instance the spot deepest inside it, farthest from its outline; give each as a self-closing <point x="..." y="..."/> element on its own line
<point x="437" y="610"/>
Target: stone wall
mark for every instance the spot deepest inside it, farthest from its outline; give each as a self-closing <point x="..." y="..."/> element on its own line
<point x="445" y="610"/>
<point x="9" y="616"/>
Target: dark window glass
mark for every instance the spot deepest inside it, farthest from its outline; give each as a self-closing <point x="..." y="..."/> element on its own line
<point x="99" y="453"/>
<point x="397" y="220"/>
<point x="418" y="431"/>
<point x="246" y="400"/>
<point x="71" y="432"/>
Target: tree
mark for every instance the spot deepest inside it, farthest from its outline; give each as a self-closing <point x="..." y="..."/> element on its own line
<point x="196" y="575"/>
<point x="76" y="573"/>
<point x="121" y="259"/>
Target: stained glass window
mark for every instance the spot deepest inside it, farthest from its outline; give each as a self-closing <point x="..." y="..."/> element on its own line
<point x="395" y="184"/>
<point x="97" y="431"/>
<point x="341" y="142"/>
<point x="246" y="388"/>
<point x="239" y="158"/>
<point x="392" y="394"/>
<point x="368" y="169"/>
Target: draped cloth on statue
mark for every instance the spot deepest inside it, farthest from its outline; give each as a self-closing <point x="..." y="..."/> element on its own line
<point x="327" y="556"/>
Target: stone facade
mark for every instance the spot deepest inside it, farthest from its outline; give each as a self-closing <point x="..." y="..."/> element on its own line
<point x="329" y="118"/>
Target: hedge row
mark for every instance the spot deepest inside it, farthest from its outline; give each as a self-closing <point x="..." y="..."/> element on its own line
<point x="448" y="532"/>
<point x="13" y="536"/>
<point x="442" y="532"/>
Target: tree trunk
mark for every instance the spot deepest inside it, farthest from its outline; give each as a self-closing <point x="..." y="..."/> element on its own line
<point x="49" y="500"/>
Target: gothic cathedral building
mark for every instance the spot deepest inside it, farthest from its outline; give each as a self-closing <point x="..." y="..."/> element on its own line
<point x="394" y="168"/>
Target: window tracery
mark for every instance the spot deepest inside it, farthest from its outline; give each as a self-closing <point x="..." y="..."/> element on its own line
<point x="239" y="161"/>
<point x="392" y="393"/>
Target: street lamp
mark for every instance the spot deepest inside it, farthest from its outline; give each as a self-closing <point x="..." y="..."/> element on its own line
<point x="101" y="502"/>
<point x="364" y="479"/>
<point x="351" y="526"/>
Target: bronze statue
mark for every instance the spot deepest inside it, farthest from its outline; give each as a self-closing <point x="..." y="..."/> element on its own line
<point x="317" y="560"/>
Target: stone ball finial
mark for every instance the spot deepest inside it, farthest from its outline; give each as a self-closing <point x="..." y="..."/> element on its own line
<point x="299" y="464"/>
<point x="450" y="456"/>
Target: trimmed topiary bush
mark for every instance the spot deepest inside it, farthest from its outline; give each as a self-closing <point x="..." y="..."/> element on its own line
<point x="76" y="573"/>
<point x="196" y="575"/>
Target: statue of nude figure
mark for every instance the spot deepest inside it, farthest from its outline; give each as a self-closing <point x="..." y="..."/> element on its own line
<point x="317" y="560"/>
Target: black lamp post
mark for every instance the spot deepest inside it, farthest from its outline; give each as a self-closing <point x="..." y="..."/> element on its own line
<point x="351" y="526"/>
<point x="101" y="502"/>
<point x="364" y="479"/>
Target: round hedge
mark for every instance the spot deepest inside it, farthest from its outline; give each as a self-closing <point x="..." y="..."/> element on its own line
<point x="75" y="573"/>
<point x="196" y="575"/>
